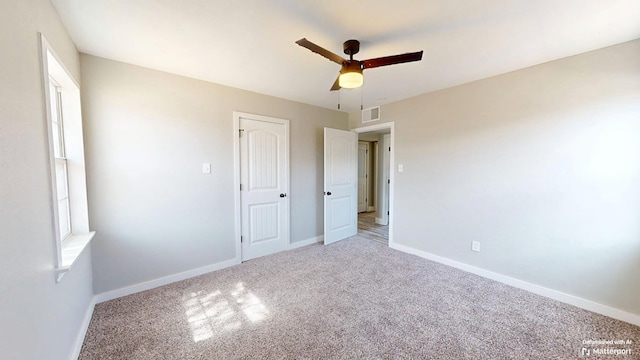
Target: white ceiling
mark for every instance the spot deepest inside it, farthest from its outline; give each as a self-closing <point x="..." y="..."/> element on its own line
<point x="250" y="44"/>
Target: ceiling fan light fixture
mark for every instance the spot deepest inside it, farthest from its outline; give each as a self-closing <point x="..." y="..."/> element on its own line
<point x="351" y="76"/>
<point x="351" y="80"/>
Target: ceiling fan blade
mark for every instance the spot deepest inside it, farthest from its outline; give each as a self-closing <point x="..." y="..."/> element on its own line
<point x="336" y="85"/>
<point x="321" y="51"/>
<point x="391" y="60"/>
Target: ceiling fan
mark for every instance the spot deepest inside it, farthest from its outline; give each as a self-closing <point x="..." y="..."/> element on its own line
<point x="351" y="73"/>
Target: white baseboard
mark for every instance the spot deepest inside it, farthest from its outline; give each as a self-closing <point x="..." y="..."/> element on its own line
<point x="310" y="241"/>
<point x="86" y="320"/>
<point x="128" y="290"/>
<point x="520" y="284"/>
<point x="371" y="208"/>
<point x="380" y="221"/>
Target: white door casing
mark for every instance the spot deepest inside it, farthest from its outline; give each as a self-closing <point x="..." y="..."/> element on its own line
<point x="374" y="179"/>
<point x="340" y="184"/>
<point x="391" y="173"/>
<point x="384" y="201"/>
<point x="264" y="185"/>
<point x="363" y="172"/>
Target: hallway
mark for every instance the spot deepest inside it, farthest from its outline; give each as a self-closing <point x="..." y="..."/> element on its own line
<point x="368" y="228"/>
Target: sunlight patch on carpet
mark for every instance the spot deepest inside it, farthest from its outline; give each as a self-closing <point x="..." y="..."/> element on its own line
<point x="217" y="312"/>
<point x="251" y="306"/>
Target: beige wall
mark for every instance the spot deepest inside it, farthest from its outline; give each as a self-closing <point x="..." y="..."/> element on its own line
<point x="541" y="165"/>
<point x="147" y="135"/>
<point x="39" y="319"/>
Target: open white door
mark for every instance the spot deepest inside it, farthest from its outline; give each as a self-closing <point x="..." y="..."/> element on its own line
<point x="340" y="184"/>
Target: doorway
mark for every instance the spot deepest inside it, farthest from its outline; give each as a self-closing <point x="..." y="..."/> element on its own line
<point x="375" y="223"/>
<point x="365" y="168"/>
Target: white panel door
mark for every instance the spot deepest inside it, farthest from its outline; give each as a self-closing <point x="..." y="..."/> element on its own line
<point x="363" y="170"/>
<point x="264" y="185"/>
<point x="340" y="184"/>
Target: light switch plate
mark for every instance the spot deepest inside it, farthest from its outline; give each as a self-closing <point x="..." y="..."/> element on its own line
<point x="475" y="246"/>
<point x="400" y="168"/>
<point x="206" y="168"/>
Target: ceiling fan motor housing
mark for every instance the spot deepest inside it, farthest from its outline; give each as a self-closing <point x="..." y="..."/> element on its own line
<point x="351" y="47"/>
<point x="351" y="66"/>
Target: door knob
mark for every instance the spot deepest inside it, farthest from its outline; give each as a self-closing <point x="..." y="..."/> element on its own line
<point x="329" y="193"/>
<point x="283" y="195"/>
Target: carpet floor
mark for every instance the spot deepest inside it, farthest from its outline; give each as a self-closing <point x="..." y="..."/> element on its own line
<point x="355" y="299"/>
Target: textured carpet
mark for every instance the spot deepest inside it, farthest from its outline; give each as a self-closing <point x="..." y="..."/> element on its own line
<point x="355" y="299"/>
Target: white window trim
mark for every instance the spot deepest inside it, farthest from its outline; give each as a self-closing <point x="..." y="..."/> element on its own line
<point x="69" y="248"/>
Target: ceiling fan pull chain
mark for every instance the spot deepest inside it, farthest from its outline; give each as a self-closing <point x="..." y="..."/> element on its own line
<point x="361" y="97"/>
<point x="339" y="91"/>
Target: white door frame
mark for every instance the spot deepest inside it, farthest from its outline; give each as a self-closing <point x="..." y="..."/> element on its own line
<point x="374" y="179"/>
<point x="367" y="165"/>
<point x="386" y="170"/>
<point x="236" y="177"/>
<point x="391" y="126"/>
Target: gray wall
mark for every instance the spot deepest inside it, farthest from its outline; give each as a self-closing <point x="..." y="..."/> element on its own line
<point x="39" y="319"/>
<point x="541" y="165"/>
<point x="148" y="133"/>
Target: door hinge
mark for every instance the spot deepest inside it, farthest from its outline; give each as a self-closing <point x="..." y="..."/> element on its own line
<point x="387" y="213"/>
<point x="240" y="187"/>
<point x="241" y="239"/>
<point x="240" y="131"/>
<point x="388" y="181"/>
<point x="389" y="148"/>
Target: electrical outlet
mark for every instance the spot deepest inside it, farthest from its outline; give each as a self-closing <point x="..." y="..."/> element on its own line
<point x="475" y="246"/>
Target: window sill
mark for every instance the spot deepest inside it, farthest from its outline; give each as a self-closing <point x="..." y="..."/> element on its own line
<point x="72" y="247"/>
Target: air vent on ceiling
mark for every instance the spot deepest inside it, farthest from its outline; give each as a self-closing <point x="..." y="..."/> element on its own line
<point x="371" y="114"/>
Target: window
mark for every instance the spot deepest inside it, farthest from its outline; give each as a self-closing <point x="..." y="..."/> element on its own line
<point x="66" y="155"/>
<point x="61" y="173"/>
